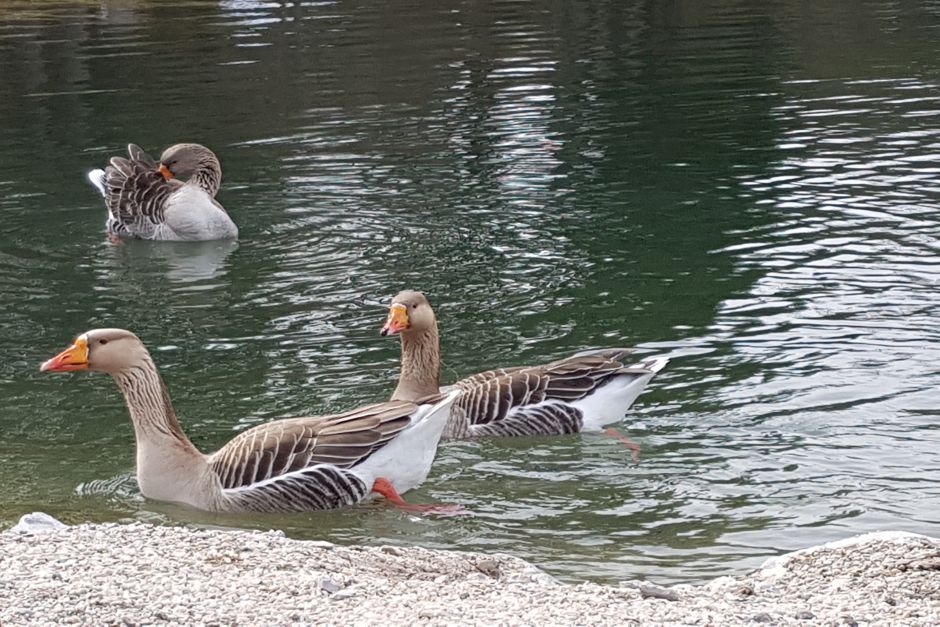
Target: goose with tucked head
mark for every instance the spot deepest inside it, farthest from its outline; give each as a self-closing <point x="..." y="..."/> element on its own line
<point x="169" y="200"/>
<point x="583" y="392"/>
<point x="294" y="464"/>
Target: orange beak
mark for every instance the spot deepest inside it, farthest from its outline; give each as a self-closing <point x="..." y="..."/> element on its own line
<point x="165" y="171"/>
<point x="397" y="320"/>
<point x="75" y="357"/>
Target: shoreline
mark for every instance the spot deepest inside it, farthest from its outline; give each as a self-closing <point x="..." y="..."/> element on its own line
<point x="139" y="573"/>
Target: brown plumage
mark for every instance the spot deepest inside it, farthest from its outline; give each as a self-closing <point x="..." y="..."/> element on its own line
<point x="295" y="464"/>
<point x="581" y="392"/>
<point x="173" y="199"/>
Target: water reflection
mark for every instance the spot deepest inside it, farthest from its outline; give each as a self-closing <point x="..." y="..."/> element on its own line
<point x="177" y="262"/>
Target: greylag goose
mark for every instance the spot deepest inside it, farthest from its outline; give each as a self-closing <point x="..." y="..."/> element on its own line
<point x="294" y="464"/>
<point x="583" y="392"/>
<point x="173" y="200"/>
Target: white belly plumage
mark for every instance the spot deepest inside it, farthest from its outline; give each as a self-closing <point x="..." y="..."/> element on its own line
<point x="190" y="214"/>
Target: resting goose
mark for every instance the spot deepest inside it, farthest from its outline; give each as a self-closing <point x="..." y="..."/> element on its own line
<point x="295" y="464"/>
<point x="173" y="200"/>
<point x="583" y="392"/>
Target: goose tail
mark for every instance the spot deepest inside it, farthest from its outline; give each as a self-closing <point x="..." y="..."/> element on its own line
<point x="611" y="401"/>
<point x="406" y="461"/>
<point x="98" y="178"/>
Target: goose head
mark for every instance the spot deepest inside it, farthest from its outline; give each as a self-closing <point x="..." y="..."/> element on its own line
<point x="182" y="161"/>
<point x="104" y="350"/>
<point x="410" y="312"/>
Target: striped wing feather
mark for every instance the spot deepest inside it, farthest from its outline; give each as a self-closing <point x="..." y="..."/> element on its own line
<point x="282" y="447"/>
<point x="136" y="192"/>
<point x="512" y="394"/>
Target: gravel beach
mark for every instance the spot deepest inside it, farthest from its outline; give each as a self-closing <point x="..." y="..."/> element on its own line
<point x="143" y="574"/>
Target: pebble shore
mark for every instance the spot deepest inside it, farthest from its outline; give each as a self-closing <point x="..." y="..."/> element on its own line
<point x="144" y="574"/>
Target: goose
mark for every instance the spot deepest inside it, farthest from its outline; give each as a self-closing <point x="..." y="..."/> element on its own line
<point x="173" y="200"/>
<point x="288" y="465"/>
<point x="583" y="392"/>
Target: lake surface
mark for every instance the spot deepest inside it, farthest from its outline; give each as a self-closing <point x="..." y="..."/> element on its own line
<point x="750" y="188"/>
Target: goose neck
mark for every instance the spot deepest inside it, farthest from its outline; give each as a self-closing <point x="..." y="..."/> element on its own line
<point x="420" y="364"/>
<point x="208" y="176"/>
<point x="152" y="414"/>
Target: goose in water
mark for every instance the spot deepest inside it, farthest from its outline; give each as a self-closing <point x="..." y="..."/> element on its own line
<point x="583" y="392"/>
<point x="295" y="464"/>
<point x="173" y="200"/>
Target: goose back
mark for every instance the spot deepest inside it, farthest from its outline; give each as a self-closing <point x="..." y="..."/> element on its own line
<point x="303" y="464"/>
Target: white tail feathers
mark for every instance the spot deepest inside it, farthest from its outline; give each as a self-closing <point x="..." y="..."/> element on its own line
<point x="97" y="178"/>
<point x="611" y="400"/>
<point x="406" y="460"/>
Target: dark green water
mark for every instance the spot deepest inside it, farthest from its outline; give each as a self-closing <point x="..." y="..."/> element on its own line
<point x="752" y="188"/>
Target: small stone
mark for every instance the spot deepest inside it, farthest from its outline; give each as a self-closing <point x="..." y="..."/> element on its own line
<point x="763" y="617"/>
<point x="850" y="621"/>
<point x="805" y="615"/>
<point x="928" y="563"/>
<point x="656" y="592"/>
<point x="345" y="593"/>
<point x="329" y="586"/>
<point x="489" y="568"/>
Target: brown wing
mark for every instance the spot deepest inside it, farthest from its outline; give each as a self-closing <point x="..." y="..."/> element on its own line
<point x="136" y="193"/>
<point x="611" y="354"/>
<point x="511" y="393"/>
<point x="277" y="448"/>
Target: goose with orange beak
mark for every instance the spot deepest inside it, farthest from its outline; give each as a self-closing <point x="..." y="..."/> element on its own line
<point x="584" y="392"/>
<point x="295" y="464"/>
<point x="169" y="200"/>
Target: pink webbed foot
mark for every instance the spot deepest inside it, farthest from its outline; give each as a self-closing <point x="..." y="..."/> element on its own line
<point x="384" y="487"/>
<point x="630" y="444"/>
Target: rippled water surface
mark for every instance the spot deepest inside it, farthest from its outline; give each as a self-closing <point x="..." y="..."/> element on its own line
<point x="752" y="188"/>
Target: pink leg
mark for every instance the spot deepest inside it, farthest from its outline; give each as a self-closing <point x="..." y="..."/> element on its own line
<point x="633" y="446"/>
<point x="114" y="239"/>
<point x="384" y="487"/>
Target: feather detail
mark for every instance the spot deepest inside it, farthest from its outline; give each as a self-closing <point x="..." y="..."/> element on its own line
<point x="285" y="446"/>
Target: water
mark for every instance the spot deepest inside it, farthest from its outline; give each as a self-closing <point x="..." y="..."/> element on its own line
<point x="750" y="189"/>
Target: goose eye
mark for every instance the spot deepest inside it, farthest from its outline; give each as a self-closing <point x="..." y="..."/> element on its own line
<point x="102" y="341"/>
